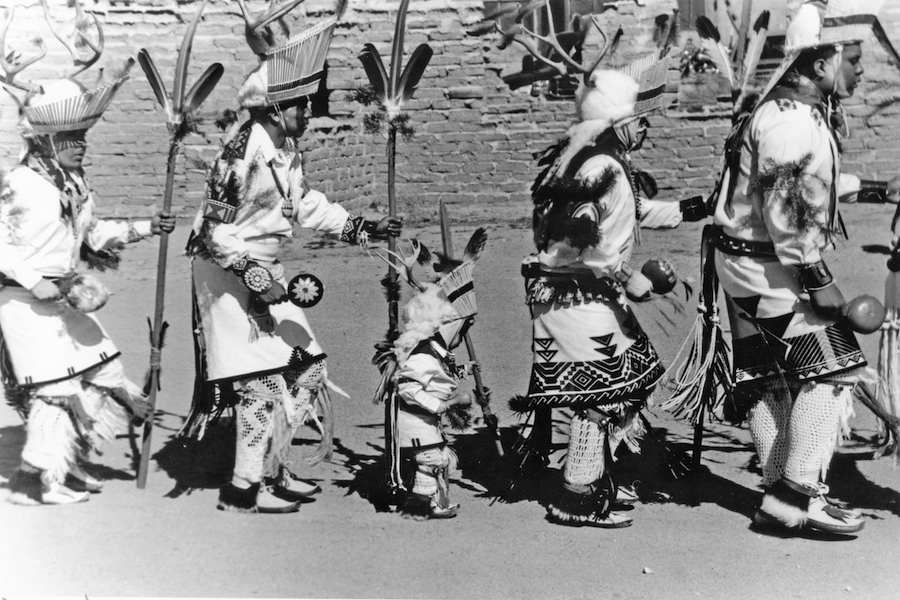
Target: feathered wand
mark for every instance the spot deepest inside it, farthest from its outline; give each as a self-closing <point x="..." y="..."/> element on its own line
<point x="181" y="121"/>
<point x="390" y="91"/>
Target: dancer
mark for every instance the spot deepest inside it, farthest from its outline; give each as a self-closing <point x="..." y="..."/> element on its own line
<point x="250" y="338"/>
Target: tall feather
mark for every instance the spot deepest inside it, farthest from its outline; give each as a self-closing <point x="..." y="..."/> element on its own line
<point x="397" y="50"/>
<point x="614" y="45"/>
<point x="375" y="71"/>
<point x="672" y="37"/>
<point x="739" y="51"/>
<point x="711" y="42"/>
<point x="184" y="58"/>
<point x="203" y="87"/>
<point x="755" y="43"/>
<point x="156" y="82"/>
<point x="414" y="69"/>
<point x="340" y="8"/>
<point x="476" y="245"/>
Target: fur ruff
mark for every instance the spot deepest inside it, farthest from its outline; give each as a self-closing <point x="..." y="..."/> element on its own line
<point x="25" y="488"/>
<point x="788" y="514"/>
<point x="795" y="182"/>
<point x="556" y="202"/>
<point x="416" y="507"/>
<point x="235" y="499"/>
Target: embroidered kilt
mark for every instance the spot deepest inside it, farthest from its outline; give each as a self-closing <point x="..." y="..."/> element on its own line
<point x="232" y="349"/>
<point x="589" y="354"/>
<point x="50" y="341"/>
<point x="774" y="332"/>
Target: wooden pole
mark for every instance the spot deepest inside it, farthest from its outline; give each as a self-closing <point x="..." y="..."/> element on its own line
<point x="393" y="289"/>
<point x="158" y="325"/>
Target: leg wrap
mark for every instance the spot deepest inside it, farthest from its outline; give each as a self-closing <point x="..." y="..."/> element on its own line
<point x="769" y="421"/>
<point x="586" y="457"/>
<point x="819" y="420"/>
<point x="52" y="440"/>
<point x="431" y="464"/>
<point x="255" y="421"/>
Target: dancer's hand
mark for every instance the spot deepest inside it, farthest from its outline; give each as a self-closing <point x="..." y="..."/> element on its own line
<point x="638" y="287"/>
<point x="162" y="221"/>
<point x="389" y="226"/>
<point x="46" y="290"/>
<point x="276" y="294"/>
<point x="827" y="302"/>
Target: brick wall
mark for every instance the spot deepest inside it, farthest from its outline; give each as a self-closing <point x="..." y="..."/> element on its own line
<point x="474" y="137"/>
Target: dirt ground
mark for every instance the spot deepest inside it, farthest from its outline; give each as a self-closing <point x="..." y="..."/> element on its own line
<point x="690" y="537"/>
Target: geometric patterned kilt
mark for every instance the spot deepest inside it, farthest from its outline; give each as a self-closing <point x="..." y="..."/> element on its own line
<point x="592" y="353"/>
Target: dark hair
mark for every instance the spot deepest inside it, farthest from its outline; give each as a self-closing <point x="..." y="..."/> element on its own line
<point x="805" y="63"/>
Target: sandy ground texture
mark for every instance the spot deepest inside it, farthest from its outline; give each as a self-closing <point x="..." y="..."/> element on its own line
<point x="690" y="538"/>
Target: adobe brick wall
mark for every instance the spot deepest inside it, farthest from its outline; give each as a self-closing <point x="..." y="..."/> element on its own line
<point x="474" y="137"/>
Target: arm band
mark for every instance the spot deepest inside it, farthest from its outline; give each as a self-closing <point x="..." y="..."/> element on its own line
<point x="815" y="276"/>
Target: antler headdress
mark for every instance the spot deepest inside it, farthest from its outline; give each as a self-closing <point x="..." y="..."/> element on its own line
<point x="292" y="69"/>
<point x="64" y="105"/>
<point x="12" y="67"/>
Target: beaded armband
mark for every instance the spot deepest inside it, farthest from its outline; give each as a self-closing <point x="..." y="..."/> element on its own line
<point x="256" y="277"/>
<point x="219" y="211"/>
<point x="815" y="276"/>
<point x="357" y="230"/>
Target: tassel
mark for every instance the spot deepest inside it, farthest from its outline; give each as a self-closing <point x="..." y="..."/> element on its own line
<point x="280" y="442"/>
<point x="325" y="450"/>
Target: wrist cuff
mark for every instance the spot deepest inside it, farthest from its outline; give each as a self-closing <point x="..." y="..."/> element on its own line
<point x="815" y="276"/>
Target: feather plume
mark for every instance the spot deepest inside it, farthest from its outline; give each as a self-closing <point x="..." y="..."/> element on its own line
<point x="397" y="50"/>
<point x="614" y="45"/>
<point x="445" y="264"/>
<point x="203" y="87"/>
<point x="476" y="245"/>
<point x="459" y="416"/>
<point x="375" y="71"/>
<point x="413" y="71"/>
<point x="424" y="256"/>
<point x="340" y="8"/>
<point x="711" y="42"/>
<point x="672" y="37"/>
<point x="755" y="43"/>
<point x="660" y="30"/>
<point x="156" y="82"/>
<point x="184" y="58"/>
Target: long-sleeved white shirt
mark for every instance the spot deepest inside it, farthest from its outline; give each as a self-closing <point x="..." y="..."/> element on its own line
<point x="37" y="242"/>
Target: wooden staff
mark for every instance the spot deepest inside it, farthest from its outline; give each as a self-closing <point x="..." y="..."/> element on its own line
<point x="482" y="394"/>
<point x="180" y="122"/>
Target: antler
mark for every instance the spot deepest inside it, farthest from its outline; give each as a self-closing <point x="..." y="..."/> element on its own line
<point x="78" y="37"/>
<point x="408" y="262"/>
<point x="12" y="67"/>
<point x="532" y="41"/>
<point x="258" y="38"/>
